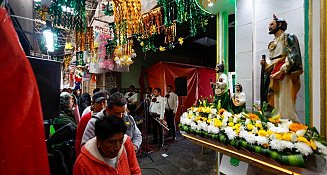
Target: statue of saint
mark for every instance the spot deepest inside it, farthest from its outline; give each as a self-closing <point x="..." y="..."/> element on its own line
<point x="238" y="99"/>
<point x="221" y="88"/>
<point x="282" y="70"/>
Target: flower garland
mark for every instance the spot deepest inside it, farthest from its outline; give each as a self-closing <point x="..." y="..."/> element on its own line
<point x="285" y="141"/>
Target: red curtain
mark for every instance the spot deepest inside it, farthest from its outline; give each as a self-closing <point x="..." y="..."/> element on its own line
<point x="22" y="140"/>
<point x="198" y="81"/>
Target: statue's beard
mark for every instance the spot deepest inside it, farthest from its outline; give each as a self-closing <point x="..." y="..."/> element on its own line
<point x="273" y="31"/>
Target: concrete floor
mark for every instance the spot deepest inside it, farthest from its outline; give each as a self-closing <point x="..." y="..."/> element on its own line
<point x="183" y="158"/>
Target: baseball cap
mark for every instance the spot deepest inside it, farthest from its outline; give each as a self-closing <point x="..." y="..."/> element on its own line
<point x="98" y="96"/>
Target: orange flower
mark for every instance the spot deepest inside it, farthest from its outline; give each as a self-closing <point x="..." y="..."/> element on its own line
<point x="297" y="126"/>
<point x="221" y="111"/>
<point x="274" y="120"/>
<point x="253" y="116"/>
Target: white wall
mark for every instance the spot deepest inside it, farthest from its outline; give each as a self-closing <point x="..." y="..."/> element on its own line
<point x="253" y="18"/>
<point x="316" y="64"/>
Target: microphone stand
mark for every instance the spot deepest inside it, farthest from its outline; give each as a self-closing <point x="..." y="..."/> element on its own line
<point x="145" y="146"/>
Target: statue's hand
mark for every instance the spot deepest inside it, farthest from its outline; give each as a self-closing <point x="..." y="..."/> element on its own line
<point x="277" y="75"/>
<point x="262" y="62"/>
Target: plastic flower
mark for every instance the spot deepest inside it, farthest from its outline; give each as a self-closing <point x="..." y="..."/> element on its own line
<point x="274" y="119"/>
<point x="249" y="126"/>
<point x="213" y="129"/>
<point x="304" y="140"/>
<point x="162" y="48"/>
<point x="181" y="40"/>
<point x="262" y="140"/>
<point x="253" y="117"/>
<point x="287" y="136"/>
<point x="303" y="148"/>
<point x="297" y="126"/>
<point x="280" y="145"/>
<point x="230" y="124"/>
<point x="231" y="134"/>
<point x="217" y="123"/>
<point x="262" y="132"/>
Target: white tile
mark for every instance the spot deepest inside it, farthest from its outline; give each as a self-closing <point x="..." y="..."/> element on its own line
<point x="244" y="38"/>
<point x="243" y="65"/>
<point x="244" y="12"/>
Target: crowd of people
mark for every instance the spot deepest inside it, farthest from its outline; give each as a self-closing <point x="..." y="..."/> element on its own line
<point x="107" y="136"/>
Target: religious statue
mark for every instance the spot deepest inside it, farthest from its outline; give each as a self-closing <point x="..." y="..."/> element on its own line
<point x="282" y="70"/>
<point x="238" y="99"/>
<point x="221" y="88"/>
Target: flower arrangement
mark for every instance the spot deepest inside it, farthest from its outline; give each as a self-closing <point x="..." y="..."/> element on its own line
<point x="283" y="140"/>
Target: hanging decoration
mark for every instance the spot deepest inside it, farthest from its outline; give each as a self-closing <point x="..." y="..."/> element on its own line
<point x="182" y="14"/>
<point x="108" y="9"/>
<point x="168" y="11"/>
<point x="127" y="16"/>
<point x="170" y="33"/>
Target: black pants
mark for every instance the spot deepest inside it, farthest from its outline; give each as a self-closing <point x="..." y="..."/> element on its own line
<point x="156" y="130"/>
<point x="170" y="117"/>
<point x="131" y="108"/>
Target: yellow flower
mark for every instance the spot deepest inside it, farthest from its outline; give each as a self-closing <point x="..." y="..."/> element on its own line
<point x="304" y="140"/>
<point x="142" y="43"/>
<point x="217" y="123"/>
<point x="68" y="46"/>
<point x="162" y="48"/>
<point x="278" y="136"/>
<point x="269" y="132"/>
<point x="262" y="132"/>
<point x="230" y="124"/>
<point x="198" y="118"/>
<point x="200" y="109"/>
<point x="180" y="40"/>
<point x="287" y="136"/>
<point x="297" y="126"/>
<point x="209" y="120"/>
<point x="207" y="110"/>
<point x="250" y="126"/>
<point x="96" y="44"/>
<point x="189" y="116"/>
<point x="259" y="125"/>
<point x="313" y="145"/>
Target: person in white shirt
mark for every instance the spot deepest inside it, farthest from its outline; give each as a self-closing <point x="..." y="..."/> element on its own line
<point x="170" y="110"/>
<point x="238" y="99"/>
<point x="131" y="97"/>
<point x="157" y="110"/>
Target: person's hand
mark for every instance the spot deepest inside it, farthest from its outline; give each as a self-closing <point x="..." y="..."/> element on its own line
<point x="277" y="75"/>
<point x="135" y="147"/>
<point x="262" y="62"/>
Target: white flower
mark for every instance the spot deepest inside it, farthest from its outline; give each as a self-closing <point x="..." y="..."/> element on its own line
<point x="231" y="134"/>
<point x="247" y="121"/>
<point x="199" y="127"/>
<point x="255" y="130"/>
<point x="203" y="126"/>
<point x="303" y="148"/>
<point x="270" y="125"/>
<point x="188" y="121"/>
<point x="249" y="137"/>
<point x="227" y="114"/>
<point x="213" y="111"/>
<point x="195" y="109"/>
<point x="185" y="114"/>
<point x="236" y="118"/>
<point x="261" y="140"/>
<point x="193" y="126"/>
<point x="279" y="129"/>
<point x="224" y="121"/>
<point x="213" y="129"/>
<point x="280" y="145"/>
<point x="286" y="122"/>
<point x="300" y="133"/>
<point x="258" y="122"/>
<point x="210" y="116"/>
<point x="293" y="137"/>
<point x="321" y="148"/>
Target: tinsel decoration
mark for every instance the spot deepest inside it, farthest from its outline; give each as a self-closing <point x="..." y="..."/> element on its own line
<point x="90" y="39"/>
<point x="128" y="12"/>
<point x="79" y="58"/>
<point x="66" y="61"/>
<point x="205" y="3"/>
<point x="69" y="14"/>
<point x="170" y="33"/>
<point x="151" y="23"/>
<point x="182" y="6"/>
<point x="168" y="11"/>
<point x="124" y="53"/>
<point x="108" y="9"/>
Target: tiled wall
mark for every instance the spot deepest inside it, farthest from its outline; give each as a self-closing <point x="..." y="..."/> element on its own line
<point x="252" y="38"/>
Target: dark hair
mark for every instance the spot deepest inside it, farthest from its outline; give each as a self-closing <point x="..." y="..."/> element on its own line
<point x="84" y="102"/>
<point x="116" y="99"/>
<point x="108" y="126"/>
<point x="158" y="89"/>
<point x="132" y="86"/>
<point x="171" y="87"/>
<point x="150" y="89"/>
<point x="96" y="90"/>
<point x="113" y="90"/>
<point x="221" y="67"/>
<point x="239" y="85"/>
<point x="281" y="21"/>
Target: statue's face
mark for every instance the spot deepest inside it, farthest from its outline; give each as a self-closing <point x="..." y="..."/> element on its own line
<point x="273" y="28"/>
